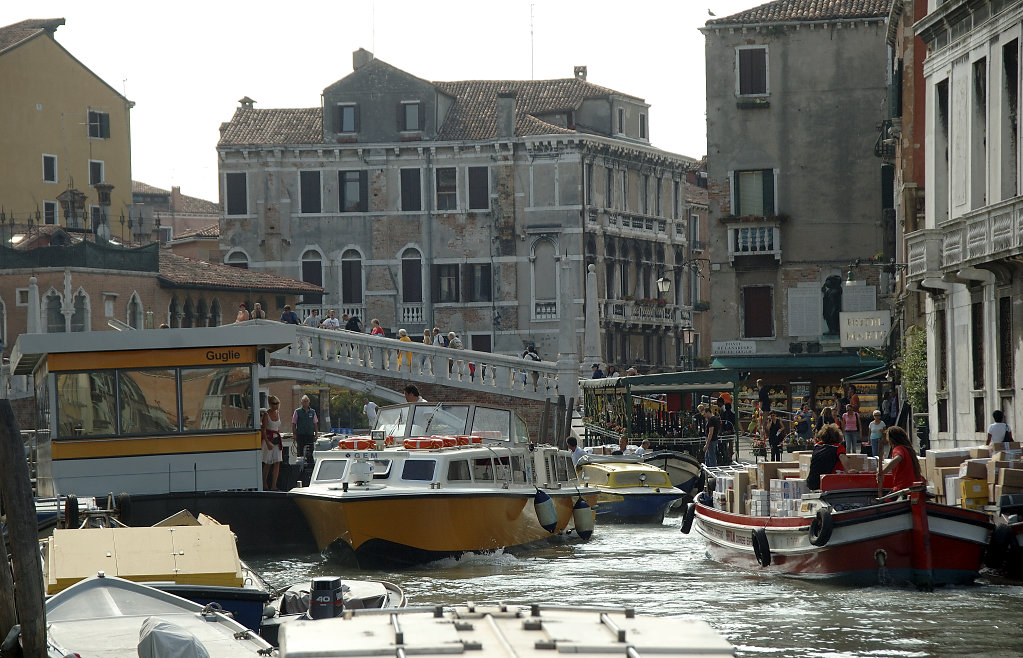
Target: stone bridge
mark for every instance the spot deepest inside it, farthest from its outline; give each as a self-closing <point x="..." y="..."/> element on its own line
<point x="383" y="366"/>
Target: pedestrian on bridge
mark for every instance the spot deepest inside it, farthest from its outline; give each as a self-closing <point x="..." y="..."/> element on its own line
<point x="404" y="356"/>
<point x="455" y="343"/>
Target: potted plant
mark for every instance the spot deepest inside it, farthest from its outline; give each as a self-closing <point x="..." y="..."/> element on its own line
<point x="758" y="446"/>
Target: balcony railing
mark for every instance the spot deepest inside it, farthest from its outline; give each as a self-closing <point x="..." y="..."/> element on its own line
<point x="992" y="233"/>
<point x="411" y="313"/>
<point x="629" y="312"/>
<point x="545" y="310"/>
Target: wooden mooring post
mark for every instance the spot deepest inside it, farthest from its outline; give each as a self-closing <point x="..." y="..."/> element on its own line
<point x="26" y="594"/>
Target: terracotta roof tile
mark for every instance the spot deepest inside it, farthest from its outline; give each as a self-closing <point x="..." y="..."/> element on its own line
<point x="191" y="205"/>
<point x="210" y="231"/>
<point x="138" y="187"/>
<point x="273" y="126"/>
<point x="15" y="34"/>
<point x="473" y="116"/>
<point x="789" y="11"/>
<point x="183" y="272"/>
<point x="696" y="195"/>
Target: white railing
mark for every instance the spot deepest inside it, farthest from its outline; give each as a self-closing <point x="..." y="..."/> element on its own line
<point x="347" y="351"/>
<point x="631" y="312"/>
<point x="989" y="234"/>
<point x="412" y="313"/>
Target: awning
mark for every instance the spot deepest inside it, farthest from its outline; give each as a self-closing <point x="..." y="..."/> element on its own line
<point x="867" y="375"/>
<point x="837" y="362"/>
<point x="714" y="379"/>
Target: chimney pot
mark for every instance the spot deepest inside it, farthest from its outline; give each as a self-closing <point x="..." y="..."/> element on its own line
<point x="580" y="73"/>
<point x="506" y="113"/>
<point x="246" y="103"/>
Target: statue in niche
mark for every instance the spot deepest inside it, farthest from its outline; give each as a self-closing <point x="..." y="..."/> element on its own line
<point x="832" y="292"/>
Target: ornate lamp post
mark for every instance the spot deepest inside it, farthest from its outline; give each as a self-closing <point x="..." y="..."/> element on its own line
<point x="688" y="336"/>
<point x="72" y="202"/>
<point x="103" y="193"/>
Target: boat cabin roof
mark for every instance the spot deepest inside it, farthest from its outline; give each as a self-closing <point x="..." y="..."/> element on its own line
<point x="32" y="350"/>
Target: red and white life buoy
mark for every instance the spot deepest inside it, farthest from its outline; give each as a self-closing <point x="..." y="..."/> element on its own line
<point x="423" y="444"/>
<point x="357" y="443"/>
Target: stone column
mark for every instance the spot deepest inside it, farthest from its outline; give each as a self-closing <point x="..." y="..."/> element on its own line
<point x="591" y="326"/>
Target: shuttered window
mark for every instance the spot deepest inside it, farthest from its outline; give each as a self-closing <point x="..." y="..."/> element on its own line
<point x="753" y="193"/>
<point x="479" y="188"/>
<point x="236" y="192"/>
<point x="752" y="71"/>
<point x="411" y="190"/>
<point x="309" y="181"/>
<point x="352" y="185"/>
<point x="758" y="316"/>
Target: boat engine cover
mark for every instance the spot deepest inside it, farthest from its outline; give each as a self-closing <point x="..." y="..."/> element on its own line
<point x="159" y="638"/>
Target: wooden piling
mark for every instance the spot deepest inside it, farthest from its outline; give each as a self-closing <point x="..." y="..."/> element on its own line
<point x="545" y="421"/>
<point x="559" y="419"/>
<point x="16" y="489"/>
<point x="567" y="427"/>
<point x="8" y="615"/>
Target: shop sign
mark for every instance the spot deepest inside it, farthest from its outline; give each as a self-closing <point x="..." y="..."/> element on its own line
<point x="733" y="347"/>
<point x="864" y="328"/>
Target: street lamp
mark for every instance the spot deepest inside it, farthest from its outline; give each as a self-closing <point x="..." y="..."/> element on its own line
<point x="663" y="285"/>
<point x="688" y="336"/>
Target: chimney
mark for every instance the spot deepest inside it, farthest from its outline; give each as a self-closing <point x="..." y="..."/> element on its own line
<point x="360" y="58"/>
<point x="580" y="73"/>
<point x="175" y="198"/>
<point x="246" y="103"/>
<point x="506" y="114"/>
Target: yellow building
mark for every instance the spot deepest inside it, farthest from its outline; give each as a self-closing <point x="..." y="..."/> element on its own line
<point x="64" y="128"/>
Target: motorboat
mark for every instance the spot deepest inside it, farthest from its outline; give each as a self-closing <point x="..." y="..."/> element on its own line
<point x="109" y="617"/>
<point x="335" y="597"/>
<point x="194" y="558"/>
<point x="440" y="480"/>
<point x="847" y="534"/>
<point x="684" y="471"/>
<point x="630" y="490"/>
<point x="532" y="631"/>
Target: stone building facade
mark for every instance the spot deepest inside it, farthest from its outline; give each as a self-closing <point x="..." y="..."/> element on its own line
<point x="794" y="97"/>
<point x="455" y="205"/>
<point x="966" y="256"/>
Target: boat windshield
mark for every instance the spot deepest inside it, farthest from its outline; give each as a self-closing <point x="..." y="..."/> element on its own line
<point x="439" y="419"/>
<point x="330" y="469"/>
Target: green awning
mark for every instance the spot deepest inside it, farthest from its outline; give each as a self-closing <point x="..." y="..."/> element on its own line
<point x="799" y="362"/>
<point x="693" y="380"/>
<point x="866" y="375"/>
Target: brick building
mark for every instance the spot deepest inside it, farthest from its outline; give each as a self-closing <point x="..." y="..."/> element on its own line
<point x="795" y="91"/>
<point x="454" y="204"/>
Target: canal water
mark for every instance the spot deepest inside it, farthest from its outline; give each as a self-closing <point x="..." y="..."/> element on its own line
<point x="659" y="571"/>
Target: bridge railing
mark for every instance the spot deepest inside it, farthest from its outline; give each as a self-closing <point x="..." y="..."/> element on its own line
<point x="418" y="362"/>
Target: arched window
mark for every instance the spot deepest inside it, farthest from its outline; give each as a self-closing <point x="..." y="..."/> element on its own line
<point x="216" y="317"/>
<point x="351" y="277"/>
<point x="201" y="313"/>
<point x="238" y="259"/>
<point x="174" y="311"/>
<point x="51" y="311"/>
<point x="134" y="318"/>
<point x="312" y="267"/>
<point x="411" y="276"/>
<point x="188" y="315"/>
<point x="545" y="281"/>
<point x="80" y="318"/>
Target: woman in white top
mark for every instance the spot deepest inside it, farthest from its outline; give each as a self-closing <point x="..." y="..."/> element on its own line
<point x="998" y="431"/>
<point x="272" y="454"/>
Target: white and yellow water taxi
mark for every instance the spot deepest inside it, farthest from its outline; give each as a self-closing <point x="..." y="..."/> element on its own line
<point x="439" y="480"/>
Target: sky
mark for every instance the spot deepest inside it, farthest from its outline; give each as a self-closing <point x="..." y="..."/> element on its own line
<point x="185" y="64"/>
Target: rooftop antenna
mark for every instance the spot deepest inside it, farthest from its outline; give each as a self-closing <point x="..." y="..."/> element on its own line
<point x="531" y="56"/>
<point x="373" y="28"/>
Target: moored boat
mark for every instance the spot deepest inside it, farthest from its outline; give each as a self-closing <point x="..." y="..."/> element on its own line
<point x="848" y="535"/>
<point x="502" y="630"/>
<point x="684" y="471"/>
<point x="439" y="480"/>
<point x="112" y="617"/>
<point x="629" y="490"/>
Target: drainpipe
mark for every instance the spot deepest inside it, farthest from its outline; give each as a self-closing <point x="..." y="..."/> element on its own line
<point x="428" y="249"/>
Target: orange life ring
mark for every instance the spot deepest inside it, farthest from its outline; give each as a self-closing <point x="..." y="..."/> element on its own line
<point x="357" y="443"/>
<point x="423" y="444"/>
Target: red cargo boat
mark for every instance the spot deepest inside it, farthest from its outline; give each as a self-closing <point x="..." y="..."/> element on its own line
<point x="850" y="536"/>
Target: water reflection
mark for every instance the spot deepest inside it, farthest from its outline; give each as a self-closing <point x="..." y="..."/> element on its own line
<point x="660" y="571"/>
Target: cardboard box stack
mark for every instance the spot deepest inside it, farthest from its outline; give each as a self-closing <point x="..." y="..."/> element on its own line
<point x="767" y="471"/>
<point x="785" y="496"/>
<point x="760" y="502"/>
<point x="973" y="492"/>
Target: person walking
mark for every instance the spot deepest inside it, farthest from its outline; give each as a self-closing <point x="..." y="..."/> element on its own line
<point x="710" y="448"/>
<point x="455" y="343"/>
<point x="876" y="429"/>
<point x="438" y="338"/>
<point x="404" y="356"/>
<point x="531" y="355"/>
<point x="775" y="435"/>
<point x="303" y="426"/>
<point x="369" y="408"/>
<point x="851" y="429"/>
<point x="998" y="431"/>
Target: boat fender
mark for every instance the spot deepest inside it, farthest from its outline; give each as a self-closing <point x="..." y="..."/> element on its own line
<point x="71" y="519"/>
<point x="705" y="499"/>
<point x="1002" y="540"/>
<point x="761" y="548"/>
<point x="687" y="518"/>
<point x="124" y="508"/>
<point x="821" y="527"/>
<point x="582" y="517"/>
<point x="545" y="512"/>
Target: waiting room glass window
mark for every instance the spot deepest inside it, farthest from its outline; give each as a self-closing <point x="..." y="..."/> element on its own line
<point x="309" y="181"/>
<point x="447" y="187"/>
<point x="479" y="188"/>
<point x="752" y="71"/>
<point x="95" y="172"/>
<point x="411" y="190"/>
<point x="353" y="191"/>
<point x="411" y="116"/>
<point x="347" y="118"/>
<point x="351" y="277"/>
<point x="99" y="124"/>
<point x="49" y="169"/>
<point x="49" y="212"/>
<point x="479" y="287"/>
<point x="753" y="193"/>
<point x="236" y="193"/>
<point x="758" y="315"/>
<point x="445" y="282"/>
